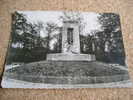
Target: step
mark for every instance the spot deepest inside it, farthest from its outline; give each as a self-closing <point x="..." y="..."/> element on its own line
<point x="70" y="57"/>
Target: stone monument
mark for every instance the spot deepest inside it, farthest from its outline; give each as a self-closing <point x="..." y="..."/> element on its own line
<point x="70" y="37"/>
<point x="70" y="44"/>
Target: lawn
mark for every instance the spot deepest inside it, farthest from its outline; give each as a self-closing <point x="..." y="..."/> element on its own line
<point x="68" y="71"/>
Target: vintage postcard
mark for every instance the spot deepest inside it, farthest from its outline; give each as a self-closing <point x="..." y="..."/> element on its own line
<point x="65" y="49"/>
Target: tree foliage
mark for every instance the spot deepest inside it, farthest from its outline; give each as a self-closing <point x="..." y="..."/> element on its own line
<point x="28" y="35"/>
<point x="109" y="41"/>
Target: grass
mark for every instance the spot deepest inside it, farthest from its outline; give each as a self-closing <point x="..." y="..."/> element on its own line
<point x="67" y="68"/>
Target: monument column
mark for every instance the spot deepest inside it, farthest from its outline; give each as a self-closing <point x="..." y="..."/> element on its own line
<point x="76" y="38"/>
<point x="70" y="37"/>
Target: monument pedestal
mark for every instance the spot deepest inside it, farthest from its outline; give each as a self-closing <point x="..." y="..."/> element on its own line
<point x="70" y="57"/>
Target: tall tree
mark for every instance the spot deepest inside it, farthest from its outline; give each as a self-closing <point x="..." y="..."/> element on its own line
<point x="51" y="28"/>
<point x="110" y="38"/>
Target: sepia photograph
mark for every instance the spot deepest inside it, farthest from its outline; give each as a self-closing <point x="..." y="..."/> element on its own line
<point x="65" y="49"/>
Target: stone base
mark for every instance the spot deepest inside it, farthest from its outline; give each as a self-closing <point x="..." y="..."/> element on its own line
<point x="70" y="57"/>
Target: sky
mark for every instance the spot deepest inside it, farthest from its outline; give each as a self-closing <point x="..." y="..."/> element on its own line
<point x="89" y="18"/>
